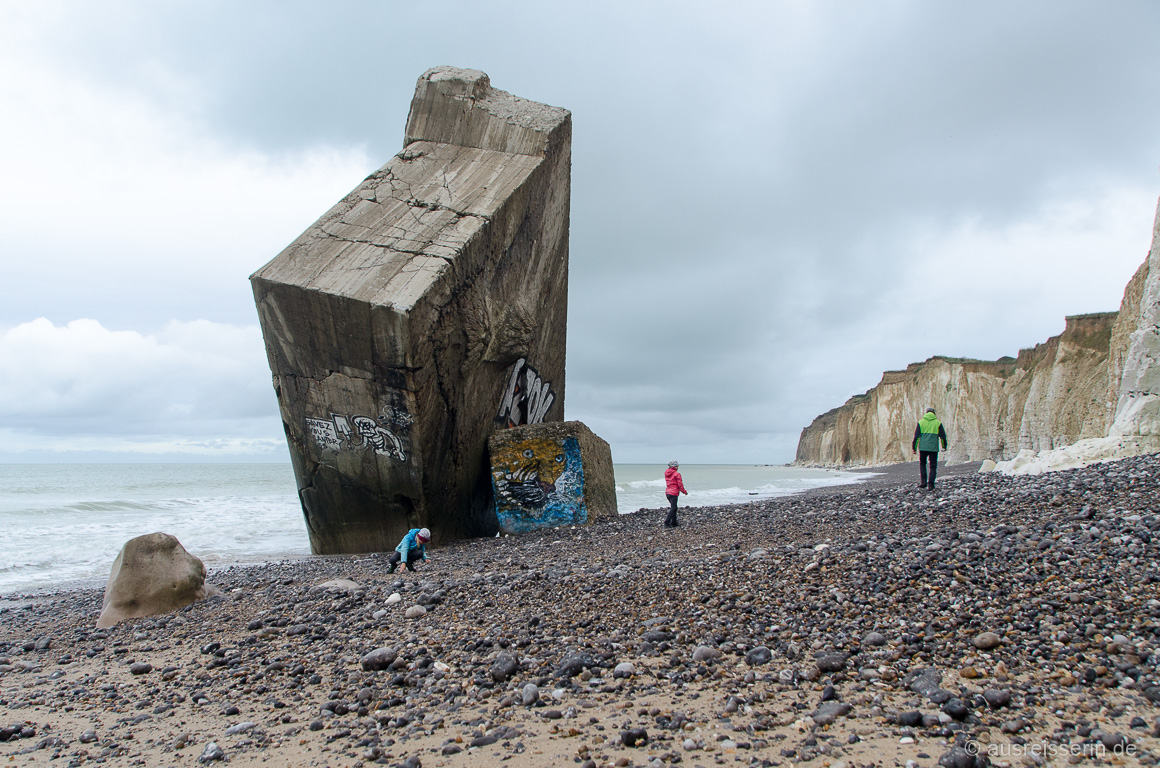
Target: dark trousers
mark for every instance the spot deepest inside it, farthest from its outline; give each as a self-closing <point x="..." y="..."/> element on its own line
<point x="923" y="458"/>
<point x="412" y="556"/>
<point x="671" y="520"/>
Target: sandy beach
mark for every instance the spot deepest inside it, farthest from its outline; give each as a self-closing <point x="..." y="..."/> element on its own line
<point x="1010" y="620"/>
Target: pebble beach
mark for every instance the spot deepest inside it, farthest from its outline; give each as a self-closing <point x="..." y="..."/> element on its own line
<point x="997" y="620"/>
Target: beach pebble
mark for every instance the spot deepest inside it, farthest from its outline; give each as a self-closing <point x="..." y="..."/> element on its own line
<point x="394" y="598"/>
<point x="574" y="663"/>
<point x="987" y="641"/>
<point x="926" y="681"/>
<point x="958" y="757"/>
<point x="529" y="694"/>
<point x="634" y="737"/>
<point x="211" y="753"/>
<point x="706" y="653"/>
<point x="504" y="667"/>
<point x="830" y="711"/>
<point x="758" y="656"/>
<point x="996" y="698"/>
<point x="378" y="659"/>
<point x="832" y="662"/>
<point x="234" y="730"/>
<point x="140" y="668"/>
<point x="956" y="708"/>
<point x="623" y="669"/>
<point x="415" y="611"/>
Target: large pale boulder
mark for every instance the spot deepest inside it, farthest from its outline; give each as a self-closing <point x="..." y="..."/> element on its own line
<point x="546" y="475"/>
<point x="425" y="310"/>
<point x="152" y="574"/>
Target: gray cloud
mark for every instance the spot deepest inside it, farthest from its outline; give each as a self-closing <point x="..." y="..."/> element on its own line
<point x="772" y="202"/>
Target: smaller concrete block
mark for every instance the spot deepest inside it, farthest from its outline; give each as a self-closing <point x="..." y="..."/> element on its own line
<point x="152" y="574"/>
<point x="548" y="475"/>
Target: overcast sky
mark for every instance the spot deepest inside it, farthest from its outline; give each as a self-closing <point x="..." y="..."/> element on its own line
<point x="772" y="202"/>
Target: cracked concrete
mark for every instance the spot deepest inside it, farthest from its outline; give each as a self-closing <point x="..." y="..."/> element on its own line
<point x="415" y="294"/>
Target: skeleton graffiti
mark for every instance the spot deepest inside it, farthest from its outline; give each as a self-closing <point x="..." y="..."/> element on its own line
<point x="380" y="438"/>
<point x="538" y="483"/>
<point x="352" y="432"/>
<point x="526" y="399"/>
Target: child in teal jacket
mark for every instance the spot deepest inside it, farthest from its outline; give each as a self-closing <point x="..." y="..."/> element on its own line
<point x="413" y="547"/>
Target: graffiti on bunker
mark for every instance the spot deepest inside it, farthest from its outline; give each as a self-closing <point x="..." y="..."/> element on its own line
<point x="538" y="483"/>
<point x="527" y="397"/>
<point x="361" y="432"/>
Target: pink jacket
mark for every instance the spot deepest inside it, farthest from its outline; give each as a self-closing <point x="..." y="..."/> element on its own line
<point x="673" y="484"/>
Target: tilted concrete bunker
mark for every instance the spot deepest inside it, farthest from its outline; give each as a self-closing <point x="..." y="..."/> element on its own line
<point x="425" y="309"/>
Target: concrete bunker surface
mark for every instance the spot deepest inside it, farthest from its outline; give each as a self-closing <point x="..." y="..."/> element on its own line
<point x="424" y="310"/>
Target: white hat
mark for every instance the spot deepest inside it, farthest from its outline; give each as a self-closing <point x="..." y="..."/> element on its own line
<point x="424" y="534"/>
<point x="673" y="464"/>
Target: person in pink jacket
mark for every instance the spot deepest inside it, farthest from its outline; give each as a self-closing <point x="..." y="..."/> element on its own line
<point x="673" y="486"/>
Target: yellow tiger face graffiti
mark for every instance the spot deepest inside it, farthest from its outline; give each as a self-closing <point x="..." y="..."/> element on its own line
<point x="525" y="473"/>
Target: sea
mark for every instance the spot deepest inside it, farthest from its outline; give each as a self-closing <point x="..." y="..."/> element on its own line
<point x="62" y="525"/>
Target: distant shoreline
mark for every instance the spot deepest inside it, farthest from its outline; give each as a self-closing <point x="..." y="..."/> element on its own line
<point x="884" y="476"/>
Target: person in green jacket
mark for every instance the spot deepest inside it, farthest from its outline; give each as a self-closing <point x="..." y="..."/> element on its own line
<point x="927" y="436"/>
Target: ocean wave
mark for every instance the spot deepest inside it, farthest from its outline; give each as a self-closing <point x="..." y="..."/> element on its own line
<point x="109" y="506"/>
<point x="658" y="483"/>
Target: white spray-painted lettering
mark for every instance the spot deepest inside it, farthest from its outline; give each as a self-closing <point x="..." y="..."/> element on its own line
<point x="324" y="433"/>
<point x="527" y="397"/>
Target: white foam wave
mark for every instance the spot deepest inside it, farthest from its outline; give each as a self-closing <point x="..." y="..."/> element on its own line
<point x="658" y="483"/>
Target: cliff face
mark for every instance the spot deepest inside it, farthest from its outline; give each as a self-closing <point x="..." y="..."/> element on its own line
<point x="1089" y="394"/>
<point x="1061" y="391"/>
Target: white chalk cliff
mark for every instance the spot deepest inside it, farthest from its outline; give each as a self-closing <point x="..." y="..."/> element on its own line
<point x="1090" y="394"/>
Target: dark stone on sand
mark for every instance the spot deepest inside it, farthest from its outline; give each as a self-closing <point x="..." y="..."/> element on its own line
<point x="912" y="719"/>
<point x="832" y="662"/>
<point x="830" y="711"/>
<point x="658" y="636"/>
<point x="956" y="708"/>
<point x="504" y="667"/>
<point x="958" y="757"/>
<point x="996" y="698"/>
<point x="924" y="681"/>
<point x="379" y="659"/>
<point x="758" y="656"/>
<point x="941" y="696"/>
<point x="575" y="663"/>
<point x="634" y="737"/>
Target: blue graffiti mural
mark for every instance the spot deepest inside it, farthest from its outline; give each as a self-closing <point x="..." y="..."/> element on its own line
<point x="538" y="483"/>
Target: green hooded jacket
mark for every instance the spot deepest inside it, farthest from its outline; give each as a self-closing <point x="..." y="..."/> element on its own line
<point x="929" y="433"/>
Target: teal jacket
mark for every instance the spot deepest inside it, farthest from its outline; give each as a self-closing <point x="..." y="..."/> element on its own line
<point x="928" y="434"/>
<point x="409" y="544"/>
